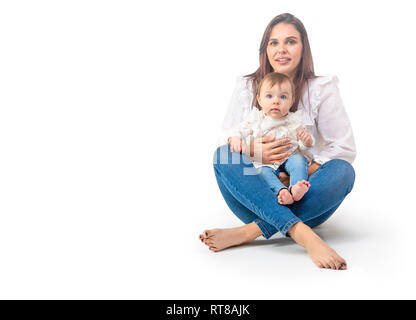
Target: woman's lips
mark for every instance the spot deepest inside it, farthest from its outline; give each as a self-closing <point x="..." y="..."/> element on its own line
<point x="286" y="61"/>
<point x="275" y="110"/>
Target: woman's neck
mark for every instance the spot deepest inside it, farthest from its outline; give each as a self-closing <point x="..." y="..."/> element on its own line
<point x="290" y="75"/>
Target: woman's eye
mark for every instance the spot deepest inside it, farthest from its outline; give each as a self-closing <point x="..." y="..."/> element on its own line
<point x="291" y="42"/>
<point x="273" y="43"/>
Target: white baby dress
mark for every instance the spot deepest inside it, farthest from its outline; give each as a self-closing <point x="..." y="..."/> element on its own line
<point x="259" y="125"/>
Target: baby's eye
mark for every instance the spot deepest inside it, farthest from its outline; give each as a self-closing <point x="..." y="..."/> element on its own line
<point x="269" y="96"/>
<point x="283" y="97"/>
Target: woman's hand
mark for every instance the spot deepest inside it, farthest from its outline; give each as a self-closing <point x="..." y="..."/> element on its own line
<point x="268" y="151"/>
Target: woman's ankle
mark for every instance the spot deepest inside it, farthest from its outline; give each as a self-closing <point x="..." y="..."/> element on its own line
<point x="252" y="231"/>
<point x="301" y="233"/>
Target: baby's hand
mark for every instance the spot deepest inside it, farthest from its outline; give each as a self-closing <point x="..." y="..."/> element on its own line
<point x="305" y="137"/>
<point x="235" y="144"/>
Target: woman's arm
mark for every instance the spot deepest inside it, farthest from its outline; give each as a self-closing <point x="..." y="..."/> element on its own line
<point x="239" y="107"/>
<point x="334" y="126"/>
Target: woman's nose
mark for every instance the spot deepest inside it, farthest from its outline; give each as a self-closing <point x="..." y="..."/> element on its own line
<point x="281" y="49"/>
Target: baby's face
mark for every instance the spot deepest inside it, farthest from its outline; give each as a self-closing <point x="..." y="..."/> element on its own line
<point x="276" y="101"/>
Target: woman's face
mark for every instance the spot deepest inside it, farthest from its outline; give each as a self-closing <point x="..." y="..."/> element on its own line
<point x="284" y="49"/>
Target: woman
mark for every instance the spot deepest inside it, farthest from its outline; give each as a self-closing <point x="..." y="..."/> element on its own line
<point x="285" y="49"/>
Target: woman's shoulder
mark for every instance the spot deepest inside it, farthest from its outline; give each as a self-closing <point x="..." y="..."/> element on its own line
<point x="243" y="92"/>
<point x="321" y="87"/>
<point x="244" y="83"/>
<point x="319" y="83"/>
<point x="318" y="89"/>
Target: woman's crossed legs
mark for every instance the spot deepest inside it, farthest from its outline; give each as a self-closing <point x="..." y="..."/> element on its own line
<point x="249" y="197"/>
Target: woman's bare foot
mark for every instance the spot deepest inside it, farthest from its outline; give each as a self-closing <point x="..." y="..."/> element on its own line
<point x="322" y="255"/>
<point x="220" y="239"/>
<point x="284" y="197"/>
<point x="299" y="189"/>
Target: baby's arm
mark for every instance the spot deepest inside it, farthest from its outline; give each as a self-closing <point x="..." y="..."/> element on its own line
<point x="305" y="139"/>
<point x="235" y="144"/>
<point x="235" y="140"/>
<point x="242" y="131"/>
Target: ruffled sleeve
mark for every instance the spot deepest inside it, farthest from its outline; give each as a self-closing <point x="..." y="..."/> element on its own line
<point x="239" y="108"/>
<point x="332" y="121"/>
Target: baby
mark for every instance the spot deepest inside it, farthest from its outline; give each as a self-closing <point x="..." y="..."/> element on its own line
<point x="276" y="96"/>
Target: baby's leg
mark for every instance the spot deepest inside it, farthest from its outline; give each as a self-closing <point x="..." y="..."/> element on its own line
<point x="271" y="177"/>
<point x="297" y="166"/>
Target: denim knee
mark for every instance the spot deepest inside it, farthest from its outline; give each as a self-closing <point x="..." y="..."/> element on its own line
<point x="345" y="172"/>
<point x="219" y="154"/>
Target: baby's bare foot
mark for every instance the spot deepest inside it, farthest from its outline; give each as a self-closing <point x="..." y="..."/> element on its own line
<point x="220" y="239"/>
<point x="284" y="197"/>
<point x="299" y="189"/>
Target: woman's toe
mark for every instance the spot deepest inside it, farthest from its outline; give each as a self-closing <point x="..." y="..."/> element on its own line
<point x="331" y="264"/>
<point x="337" y="265"/>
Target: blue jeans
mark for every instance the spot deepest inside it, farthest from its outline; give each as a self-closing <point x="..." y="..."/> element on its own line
<point x="296" y="166"/>
<point x="251" y="200"/>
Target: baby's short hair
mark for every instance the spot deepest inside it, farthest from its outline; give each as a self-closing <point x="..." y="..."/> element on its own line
<point x="273" y="78"/>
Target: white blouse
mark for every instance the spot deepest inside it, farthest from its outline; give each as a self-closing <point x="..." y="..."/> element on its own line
<point x="324" y="117"/>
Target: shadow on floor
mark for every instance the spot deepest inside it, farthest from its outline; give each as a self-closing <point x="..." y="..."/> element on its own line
<point x="333" y="232"/>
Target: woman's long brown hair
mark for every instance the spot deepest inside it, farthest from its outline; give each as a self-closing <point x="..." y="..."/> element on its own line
<point x="305" y="68"/>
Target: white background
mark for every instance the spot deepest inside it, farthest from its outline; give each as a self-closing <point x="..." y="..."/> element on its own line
<point x="109" y="115"/>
